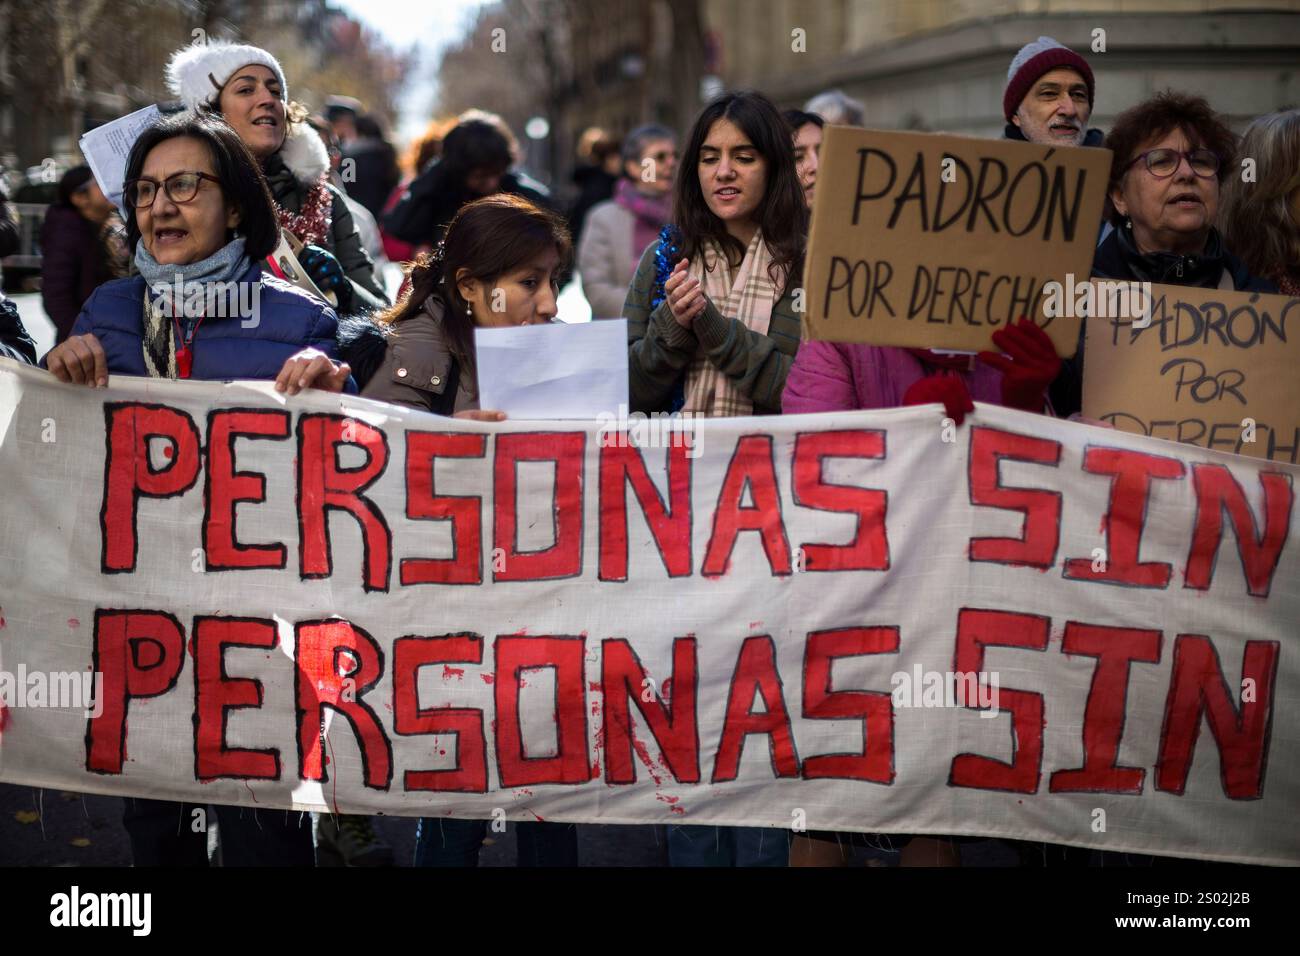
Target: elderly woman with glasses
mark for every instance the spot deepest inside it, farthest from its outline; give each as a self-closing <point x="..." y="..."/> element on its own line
<point x="199" y="224"/>
<point x="1171" y="155"/>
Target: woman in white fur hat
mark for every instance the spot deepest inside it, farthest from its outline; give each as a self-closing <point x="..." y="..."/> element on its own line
<point x="245" y="86"/>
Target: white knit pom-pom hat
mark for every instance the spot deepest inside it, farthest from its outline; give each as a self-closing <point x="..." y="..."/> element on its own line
<point x="196" y="73"/>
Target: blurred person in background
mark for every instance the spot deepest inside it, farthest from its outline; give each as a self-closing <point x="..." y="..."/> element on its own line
<point x="837" y="109"/>
<point x="475" y="161"/>
<point x="418" y="156"/>
<point x="83" y="245"/>
<point x="15" y="342"/>
<point x="373" y="171"/>
<point x="598" y="170"/>
<point x="366" y="224"/>
<point x="1260" y="220"/>
<point x="341" y="113"/>
<point x="246" y="87"/>
<point x="8" y="225"/>
<point x="9" y="237"/>
<point x="619" y="230"/>
<point x="807" y="129"/>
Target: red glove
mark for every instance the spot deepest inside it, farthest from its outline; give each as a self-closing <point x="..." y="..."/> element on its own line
<point x="1029" y="366"/>
<point x="946" y="389"/>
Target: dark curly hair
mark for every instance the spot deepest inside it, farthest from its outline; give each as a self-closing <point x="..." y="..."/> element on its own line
<point x="1151" y="119"/>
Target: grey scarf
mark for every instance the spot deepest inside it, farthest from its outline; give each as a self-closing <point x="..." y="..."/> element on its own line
<point x="162" y="284"/>
<point x="227" y="263"/>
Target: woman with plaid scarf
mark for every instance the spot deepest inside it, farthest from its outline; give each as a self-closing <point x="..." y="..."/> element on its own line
<point x="713" y="325"/>
<point x="712" y="321"/>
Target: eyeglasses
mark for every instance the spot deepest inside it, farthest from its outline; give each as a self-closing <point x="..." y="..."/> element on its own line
<point x="1163" y="163"/>
<point x="180" y="188"/>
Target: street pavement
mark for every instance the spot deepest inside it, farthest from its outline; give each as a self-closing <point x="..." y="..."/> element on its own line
<point x="58" y="828"/>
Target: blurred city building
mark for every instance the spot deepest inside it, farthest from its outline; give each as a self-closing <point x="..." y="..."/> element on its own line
<point x="942" y="64"/>
<point x="936" y="65"/>
<point x="67" y="66"/>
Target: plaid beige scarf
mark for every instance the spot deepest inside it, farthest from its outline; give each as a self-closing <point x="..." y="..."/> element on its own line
<point x="747" y="294"/>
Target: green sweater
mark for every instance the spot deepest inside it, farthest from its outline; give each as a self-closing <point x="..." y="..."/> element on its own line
<point x="659" y="349"/>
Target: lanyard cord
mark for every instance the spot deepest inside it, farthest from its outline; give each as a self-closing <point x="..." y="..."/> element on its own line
<point x="187" y="339"/>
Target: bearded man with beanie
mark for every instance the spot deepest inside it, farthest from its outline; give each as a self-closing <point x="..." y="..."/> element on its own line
<point x="1049" y="96"/>
<point x="1048" y="100"/>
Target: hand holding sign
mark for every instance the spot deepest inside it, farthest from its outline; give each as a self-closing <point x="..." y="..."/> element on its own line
<point x="312" y="368"/>
<point x="80" y="360"/>
<point x="1029" y="366"/>
<point x="949" y="390"/>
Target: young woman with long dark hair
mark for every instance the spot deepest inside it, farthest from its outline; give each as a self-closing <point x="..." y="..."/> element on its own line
<point x="712" y="324"/>
<point x="713" y="328"/>
<point x="499" y="264"/>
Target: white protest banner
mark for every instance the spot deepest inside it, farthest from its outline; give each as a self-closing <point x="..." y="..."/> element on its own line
<point x="868" y="621"/>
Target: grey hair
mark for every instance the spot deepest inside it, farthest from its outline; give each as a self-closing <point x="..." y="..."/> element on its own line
<point x="636" y="140"/>
<point x="837" y="108"/>
<point x="1255" y="217"/>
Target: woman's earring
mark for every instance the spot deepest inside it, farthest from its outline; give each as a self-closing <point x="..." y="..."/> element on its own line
<point x="469" y="310"/>
<point x="1128" y="222"/>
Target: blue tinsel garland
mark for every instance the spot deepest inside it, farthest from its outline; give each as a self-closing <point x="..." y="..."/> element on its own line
<point x="666" y="255"/>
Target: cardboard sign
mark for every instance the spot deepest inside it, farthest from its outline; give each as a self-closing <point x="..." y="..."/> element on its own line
<point x="216" y="593"/>
<point x="1215" y="369"/>
<point x="930" y="240"/>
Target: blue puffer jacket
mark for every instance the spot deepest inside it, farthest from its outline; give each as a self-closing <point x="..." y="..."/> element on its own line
<point x="289" y="321"/>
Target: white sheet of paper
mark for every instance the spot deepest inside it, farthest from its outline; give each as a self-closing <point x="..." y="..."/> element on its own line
<point x="107" y="147"/>
<point x="553" y="371"/>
